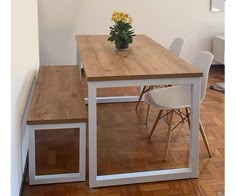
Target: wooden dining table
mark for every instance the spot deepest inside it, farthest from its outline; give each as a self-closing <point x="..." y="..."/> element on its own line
<point x="144" y="63"/>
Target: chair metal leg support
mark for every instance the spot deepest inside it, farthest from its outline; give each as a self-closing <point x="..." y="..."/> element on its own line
<point x="205" y="138"/>
<point x="169" y="134"/>
<point x="155" y="123"/>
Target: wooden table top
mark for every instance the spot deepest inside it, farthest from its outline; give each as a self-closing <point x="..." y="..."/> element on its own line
<point x="57" y="97"/>
<point x="144" y="59"/>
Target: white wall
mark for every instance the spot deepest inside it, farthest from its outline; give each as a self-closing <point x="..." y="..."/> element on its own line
<point x="162" y="20"/>
<point x="25" y="62"/>
<point x="5" y="103"/>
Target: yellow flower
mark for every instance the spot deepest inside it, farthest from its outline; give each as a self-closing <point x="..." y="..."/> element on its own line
<point x="121" y="17"/>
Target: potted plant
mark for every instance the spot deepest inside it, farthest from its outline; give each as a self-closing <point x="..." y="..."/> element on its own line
<point x="121" y="32"/>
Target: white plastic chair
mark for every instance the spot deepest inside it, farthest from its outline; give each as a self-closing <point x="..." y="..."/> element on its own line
<point x="179" y="96"/>
<point x="176" y="48"/>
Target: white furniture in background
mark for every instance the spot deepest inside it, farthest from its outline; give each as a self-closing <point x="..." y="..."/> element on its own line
<point x="217" y="5"/>
<point x="176" y="47"/>
<point x="219" y="48"/>
<point x="179" y="96"/>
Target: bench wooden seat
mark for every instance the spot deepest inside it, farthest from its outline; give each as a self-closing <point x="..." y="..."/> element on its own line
<point x="57" y="103"/>
<point x="57" y="96"/>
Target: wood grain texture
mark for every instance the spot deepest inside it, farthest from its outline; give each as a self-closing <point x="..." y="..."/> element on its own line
<point x="57" y="97"/>
<point x="123" y="147"/>
<point x="144" y="59"/>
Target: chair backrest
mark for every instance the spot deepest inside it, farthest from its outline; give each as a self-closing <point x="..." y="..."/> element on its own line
<point x="203" y="62"/>
<point x="176" y="46"/>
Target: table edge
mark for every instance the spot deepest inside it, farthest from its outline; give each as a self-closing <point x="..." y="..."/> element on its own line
<point x="166" y="76"/>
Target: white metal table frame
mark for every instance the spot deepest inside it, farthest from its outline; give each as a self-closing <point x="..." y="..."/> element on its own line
<point x="145" y="176"/>
<point x="57" y="178"/>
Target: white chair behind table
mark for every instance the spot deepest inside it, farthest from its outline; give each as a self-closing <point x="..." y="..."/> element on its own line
<point x="179" y="96"/>
<point x="175" y="47"/>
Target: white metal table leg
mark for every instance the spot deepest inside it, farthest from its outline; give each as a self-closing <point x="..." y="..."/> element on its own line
<point x="147" y="176"/>
<point x="92" y="122"/>
<point x="194" y="134"/>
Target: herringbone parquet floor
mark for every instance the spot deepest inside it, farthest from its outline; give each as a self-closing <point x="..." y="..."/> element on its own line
<point x="123" y="147"/>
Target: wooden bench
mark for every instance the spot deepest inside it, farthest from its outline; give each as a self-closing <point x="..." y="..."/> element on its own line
<point x="57" y="103"/>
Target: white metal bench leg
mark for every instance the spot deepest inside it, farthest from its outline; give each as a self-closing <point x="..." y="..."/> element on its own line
<point x="56" y="178"/>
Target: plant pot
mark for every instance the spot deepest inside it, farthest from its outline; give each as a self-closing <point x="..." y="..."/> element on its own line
<point x="124" y="45"/>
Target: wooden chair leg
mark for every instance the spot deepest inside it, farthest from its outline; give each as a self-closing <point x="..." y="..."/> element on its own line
<point x="205" y="138"/>
<point x="169" y="134"/>
<point x="167" y="116"/>
<point x="180" y="113"/>
<point x="155" y="123"/>
<point x="187" y="114"/>
<point x="140" y="97"/>
<point x="148" y="112"/>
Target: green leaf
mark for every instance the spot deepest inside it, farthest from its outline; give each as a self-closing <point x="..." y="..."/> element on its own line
<point x="121" y="31"/>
